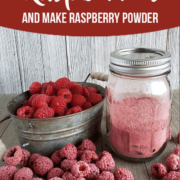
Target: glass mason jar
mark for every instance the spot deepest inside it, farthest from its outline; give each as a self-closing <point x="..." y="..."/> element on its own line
<point x="139" y="103"/>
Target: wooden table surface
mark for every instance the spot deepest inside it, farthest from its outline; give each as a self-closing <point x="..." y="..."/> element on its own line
<point x="141" y="171"/>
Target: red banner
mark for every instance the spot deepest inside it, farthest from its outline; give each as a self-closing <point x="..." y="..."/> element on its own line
<point x="89" y="17"/>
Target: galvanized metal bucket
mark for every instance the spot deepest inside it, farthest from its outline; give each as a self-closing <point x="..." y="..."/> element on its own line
<point x="45" y="136"/>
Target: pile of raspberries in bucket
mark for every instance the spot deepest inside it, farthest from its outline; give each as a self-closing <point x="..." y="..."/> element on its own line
<point x="55" y="99"/>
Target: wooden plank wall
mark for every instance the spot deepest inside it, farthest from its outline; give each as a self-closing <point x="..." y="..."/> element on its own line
<point x="27" y="57"/>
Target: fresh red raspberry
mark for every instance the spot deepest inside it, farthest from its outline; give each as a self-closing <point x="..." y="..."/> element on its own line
<point x="44" y="112"/>
<point x="56" y="178"/>
<point x="66" y="164"/>
<point x="62" y="113"/>
<point x="26" y="103"/>
<point x="55" y="172"/>
<point x="25" y="157"/>
<point x="35" y="88"/>
<point x="77" y="89"/>
<point x="86" y="93"/>
<point x="48" y="83"/>
<point x="48" y="90"/>
<point x="93" y="173"/>
<point x="69" y="151"/>
<point x="66" y="94"/>
<point x="80" y="169"/>
<point x="7" y="172"/>
<point x="123" y="174"/>
<point x="32" y="98"/>
<point x="158" y="170"/>
<point x="73" y="83"/>
<point x="58" y="104"/>
<point x="73" y="110"/>
<point x="25" y="112"/>
<point x="37" y="179"/>
<point x="39" y="101"/>
<point x="178" y="137"/>
<point x="91" y="90"/>
<point x="95" y="98"/>
<point x="86" y="105"/>
<point x="56" y="159"/>
<point x="13" y="156"/>
<point x="172" y="175"/>
<point x="172" y="162"/>
<point x="89" y="156"/>
<point x="177" y="151"/>
<point x="32" y="159"/>
<point x="51" y="98"/>
<point x="78" y="100"/>
<point x="23" y="174"/>
<point x="42" y="165"/>
<point x="62" y="83"/>
<point x="105" y="162"/>
<point x="106" y="175"/>
<point x="68" y="176"/>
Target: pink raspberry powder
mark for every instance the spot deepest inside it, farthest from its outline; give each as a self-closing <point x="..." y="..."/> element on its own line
<point x="32" y="159"/>
<point x="68" y="176"/>
<point x="66" y="164"/>
<point x="23" y="174"/>
<point x="7" y="172"/>
<point x="25" y="157"/>
<point x="93" y="173"/>
<point x="56" y="159"/>
<point x="55" y="172"/>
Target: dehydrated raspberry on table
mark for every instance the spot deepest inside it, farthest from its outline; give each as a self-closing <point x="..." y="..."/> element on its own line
<point x="89" y="156"/>
<point x="158" y="170"/>
<point x="32" y="159"/>
<point x="62" y="113"/>
<point x="32" y="98"/>
<point x="13" y="156"/>
<point x="44" y="112"/>
<point x="66" y="94"/>
<point x="72" y="83"/>
<point x="25" y="112"/>
<point x="123" y="174"/>
<point x="73" y="110"/>
<point x="94" y="98"/>
<point x="37" y="179"/>
<point x="93" y="173"/>
<point x="58" y="104"/>
<point x="80" y="179"/>
<point x="92" y="90"/>
<point x="86" y="93"/>
<point x="69" y="151"/>
<point x="62" y="83"/>
<point x="35" y="88"/>
<point x="68" y="176"/>
<point x="55" y="172"/>
<point x="42" y="165"/>
<point x="56" y="178"/>
<point x="106" y="175"/>
<point x="78" y="100"/>
<point x="66" y="164"/>
<point x="177" y="151"/>
<point x="86" y="105"/>
<point x="40" y="100"/>
<point x="26" y="103"/>
<point x="25" y="157"/>
<point x="105" y="161"/>
<point x="172" y="162"/>
<point x="80" y="169"/>
<point x="23" y="174"/>
<point x="48" y="90"/>
<point x="172" y="175"/>
<point x="7" y="172"/>
<point x="178" y="137"/>
<point x="77" y="89"/>
<point x="56" y="159"/>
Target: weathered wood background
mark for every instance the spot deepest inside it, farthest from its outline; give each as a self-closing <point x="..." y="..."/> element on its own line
<point x="27" y="57"/>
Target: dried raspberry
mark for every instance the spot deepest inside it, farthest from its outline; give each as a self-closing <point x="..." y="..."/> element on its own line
<point x="63" y="83"/>
<point x="37" y="179"/>
<point x="58" y="104"/>
<point x="56" y="178"/>
<point x="80" y="169"/>
<point x="178" y="137"/>
<point x="48" y="90"/>
<point x="62" y="113"/>
<point x="105" y="162"/>
<point x="25" y="112"/>
<point x="26" y="103"/>
<point x="23" y="174"/>
<point x="67" y="164"/>
<point x="13" y="156"/>
<point x="91" y="90"/>
<point x="66" y="94"/>
<point x="39" y="101"/>
<point x="68" y="176"/>
<point x="86" y="105"/>
<point x="55" y="172"/>
<point x="177" y="151"/>
<point x="35" y="88"/>
<point x="25" y="157"/>
<point x="80" y="179"/>
<point x="73" y="110"/>
<point x="158" y="170"/>
<point x="88" y="156"/>
<point x="73" y="83"/>
<point x="7" y="172"/>
<point x="95" y="98"/>
<point x="172" y="175"/>
<point x="85" y="92"/>
<point x="69" y="151"/>
<point x="93" y="173"/>
<point x="172" y="162"/>
<point x="77" y="89"/>
<point x="106" y="175"/>
<point x="44" y="112"/>
<point x="32" y="159"/>
<point x="78" y="100"/>
<point x="123" y="173"/>
<point x="32" y="98"/>
<point x="42" y="165"/>
<point x="56" y="159"/>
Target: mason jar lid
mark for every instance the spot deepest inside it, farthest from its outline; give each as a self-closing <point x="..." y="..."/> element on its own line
<point x="140" y="61"/>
